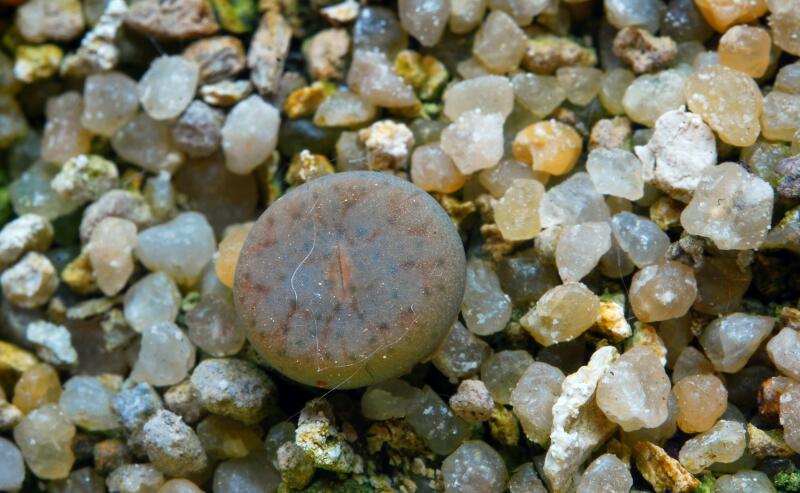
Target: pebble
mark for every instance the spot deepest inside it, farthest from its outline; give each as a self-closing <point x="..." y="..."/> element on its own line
<point x="373" y="78"/>
<point x="388" y="144"/>
<point x="217" y="58"/>
<point x="486" y="309"/>
<point x="526" y="480"/>
<point x="198" y="130"/>
<point x="638" y="370"/>
<point x="344" y="109"/>
<point x="640" y="238"/>
<point x="179" y="486"/>
<point x="662" y="291"/>
<point x="489" y="94"/>
<point x="616" y="172"/>
<point x="440" y="429"/>
<point x="214" y="327"/>
<point x="12" y="467"/>
<point x="168" y="86"/>
<point x="580" y="248"/>
<point x="433" y="171"/>
<point x="341" y="13"/>
<point x="31" y="282"/>
<point x="746" y="49"/>
<point x="13" y="125"/>
<point x="165" y="356"/>
<point x="499" y="43"/>
<point x="573" y="201"/>
<point x="721" y="15"/>
<point x="181" y="248"/>
<point x="85" y="178"/>
<point x="539" y="94"/>
<point x="181" y="400"/>
<point x="662" y="471"/>
<point x="702" y="399"/>
<point x="322" y="441"/>
<point x="729" y="101"/>
<point x="790" y="416"/>
<point x="268" y="51"/>
<point x="782" y="350"/>
<point x="154" y="298"/>
<point x="188" y="19"/>
<point x="226" y="92"/>
<point x="502" y="370"/>
<point x="517" y="212"/>
<point x="37" y="386"/>
<point x="651" y="95"/>
<point x="110" y="101"/>
<point x="64" y="137"/>
<point x="460" y="354"/>
<point x="474" y="141"/>
<point x="645" y="14"/>
<point x="28" y="232"/>
<point x="548" y="146"/>
<point x="472" y="401"/>
<point x="680" y="150"/>
<point x="172" y="446"/>
<point x="498" y="180"/>
<point x="135" y="478"/>
<point x="44" y="437"/>
<point x="135" y="403"/>
<point x="250" y="134"/>
<point x="233" y="388"/>
<point x="750" y="481"/>
<point x="56" y="20"/>
<point x="425" y="20"/>
<point x="606" y="474"/>
<point x="326" y="52"/>
<point x="387" y="400"/>
<point x="252" y="474"/>
<point x="86" y="401"/>
<point x="35" y="63"/>
<point x="730" y="341"/>
<point x="97" y="51"/>
<point x="147" y="143"/>
<point x="779" y="120"/>
<point x="581" y="84"/>
<point x="475" y="467"/>
<point x="690" y="361"/>
<point x="533" y="397"/>
<point x="643" y="51"/>
<point x="111" y="253"/>
<point x="562" y="314"/>
<point x="225" y="438"/>
<point x="724" y="442"/>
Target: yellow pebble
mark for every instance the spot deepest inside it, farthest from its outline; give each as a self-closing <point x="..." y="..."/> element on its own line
<point x="549" y="146"/>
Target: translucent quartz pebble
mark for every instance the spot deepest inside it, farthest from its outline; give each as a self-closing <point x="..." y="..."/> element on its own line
<point x="181" y="247"/>
<point x="616" y="172"/>
<point x="440" y="429"/>
<point x="749" y="481"/>
<point x="526" y="480"/>
<point x="783" y="350"/>
<point x="148" y="144"/>
<point x="498" y="179"/>
<point x="461" y="354"/>
<point x="501" y="372"/>
<point x="474" y="141"/>
<point x="250" y="134"/>
<point x="580" y="83"/>
<point x="721" y="284"/>
<point x="475" y="467"/>
<point x="722" y="14"/>
<point x="111" y="253"/>
<point x="168" y="86"/>
<point x="606" y="474"/>
<point x="179" y="486"/>
<point x="539" y="94"/>
<point x="702" y="399"/>
<point x="746" y="49"/>
<point x="372" y="77"/>
<point x="548" y="146"/>
<point x="562" y="314"/>
<point x="662" y="291"/>
<point x="38" y="385"/>
<point x="486" y="308"/>
<point x="522" y="11"/>
<point x="573" y="201"/>
<point x="640" y="238"/>
<point x="499" y="43"/>
<point x="783" y="23"/>
<point x="789" y="416"/>
<point x="635" y="390"/>
<point x="781" y="116"/>
<point x="12" y="467"/>
<point x="425" y="20"/>
<point x="251" y="474"/>
<point x="379" y="28"/>
<point x="135" y="478"/>
<point x="517" y="213"/>
<point x="730" y="206"/>
<point x="660" y="433"/>
<point x="788" y="79"/>
<point x="227" y="257"/>
<point x="731" y="340"/>
<point x="64" y="137"/>
<point x="389" y="399"/>
<point x="728" y="100"/>
<point x="31" y="193"/>
<point x="110" y="101"/>
<point x="724" y="442"/>
<point x="580" y="248"/>
<point x="87" y="403"/>
<point x="466" y="15"/>
<point x="489" y="94"/>
<point x="433" y="171"/>
<point x="612" y="89"/>
<point x="681" y="147"/>
<point x="165" y="357"/>
<point x="344" y="109"/>
<point x="214" y="327"/>
<point x="691" y="361"/>
<point x="526" y="276"/>
<point x="652" y="95"/>
<point x="44" y="437"/>
<point x="638" y="13"/>
<point x="533" y="398"/>
<point x="154" y="298"/>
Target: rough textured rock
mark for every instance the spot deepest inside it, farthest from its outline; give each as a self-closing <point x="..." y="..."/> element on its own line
<point x="172" y="446"/>
<point x="233" y="388"/>
<point x="172" y="20"/>
<point x="198" y="131"/>
<point x="217" y="58"/>
<point x="662" y="471"/>
<point x="643" y="51"/>
<point x="268" y="50"/>
<point x="31" y="282"/>
<point x="472" y="401"/>
<point x="56" y="20"/>
<point x="28" y="232"/>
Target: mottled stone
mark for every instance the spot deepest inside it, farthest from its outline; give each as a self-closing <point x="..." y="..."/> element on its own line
<point x="217" y="58"/>
<point x="172" y="446"/>
<point x="233" y="388"/>
<point x="31" y="282"/>
<point x="268" y="51"/>
<point x="475" y="467"/>
<point x="172" y="21"/>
